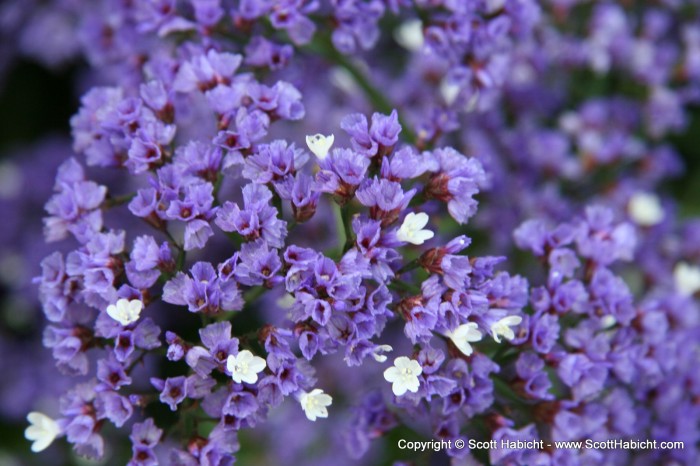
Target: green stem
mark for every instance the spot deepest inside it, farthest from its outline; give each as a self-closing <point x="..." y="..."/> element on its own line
<point x="180" y="263"/>
<point x="253" y="294"/>
<point x="503" y="389"/>
<point x="236" y="239"/>
<point x="340" y="228"/>
<point x="117" y="200"/>
<point x="399" y="285"/>
<point x="217" y="186"/>
<point x="277" y="202"/>
<point x="419" y="199"/>
<point x="414" y="264"/>
<point x="346" y="216"/>
<point x="206" y="320"/>
<point x="177" y="245"/>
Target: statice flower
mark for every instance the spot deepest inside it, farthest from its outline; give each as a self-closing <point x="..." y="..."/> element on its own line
<point x="411" y="230"/>
<point x="320" y="144"/>
<point x="267" y="199"/>
<point x="456" y="181"/>
<point x="125" y="312"/>
<point x="42" y="431"/>
<point x="464" y="335"/>
<point x="502" y="328"/>
<point x="258" y="219"/>
<point x="315" y="404"/>
<point x="244" y="367"/>
<point x="75" y="206"/>
<point x="403" y="376"/>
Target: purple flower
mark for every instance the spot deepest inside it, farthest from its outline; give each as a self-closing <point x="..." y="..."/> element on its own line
<point x="386" y="199"/>
<point x="385" y="130"/>
<point x="341" y="173"/>
<point x="90" y="128"/>
<point x="144" y="437"/>
<point x="289" y="15"/>
<point x="199" y="159"/>
<point x="145" y="433"/>
<point x="74" y="207"/>
<point x="357" y="26"/>
<point x="598" y="239"/>
<point x="517" y="455"/>
<point x="358" y="129"/>
<point x="146" y="150"/>
<point x="544" y="332"/>
<point x="585" y="377"/>
<point x="77" y="406"/>
<point x="283" y="100"/>
<point x="377" y="139"/>
<point x="420" y="318"/>
<point x="609" y="295"/>
<point x="536" y="383"/>
<point x="155" y="95"/>
<point x="124" y="345"/>
<point x="67" y="348"/>
<point x="405" y="163"/>
<point x="55" y="287"/>
<point x="172" y="390"/>
<point x="111" y="373"/>
<point x="199" y="127"/>
<point x="110" y="405"/>
<point x="536" y="236"/>
<point x="370" y="419"/>
<point x="203" y="291"/>
<point x="205" y="71"/>
<point x="218" y="346"/>
<point x="273" y="162"/>
<point x="456" y="181"/>
<point x="453" y="268"/>
<point x="251" y="126"/>
<point x="261" y="52"/>
<point x="258" y="265"/>
<point x="147" y="261"/>
<point x="257" y="219"/>
<point x="240" y="404"/>
<point x="303" y="198"/>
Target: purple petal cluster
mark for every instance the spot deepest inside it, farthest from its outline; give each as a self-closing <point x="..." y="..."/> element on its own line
<point x="487" y="251"/>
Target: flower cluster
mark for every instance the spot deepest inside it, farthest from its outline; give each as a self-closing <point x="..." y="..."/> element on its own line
<point x="342" y="300"/>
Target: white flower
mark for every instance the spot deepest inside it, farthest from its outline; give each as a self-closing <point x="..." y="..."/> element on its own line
<point x="245" y="366"/>
<point x="464" y="335"/>
<point x="409" y="35"/>
<point x="42" y="431"/>
<point x="570" y="122"/>
<point x="320" y="144"/>
<point x="493" y="6"/>
<point x="286" y="301"/>
<point x="403" y="375"/>
<point x="503" y="328"/>
<point x="378" y="352"/>
<point x="645" y="209"/>
<point x="125" y="312"/>
<point x="315" y="403"/>
<point x="687" y="278"/>
<point x="411" y="230"/>
<point x="607" y="321"/>
<point x="449" y="91"/>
